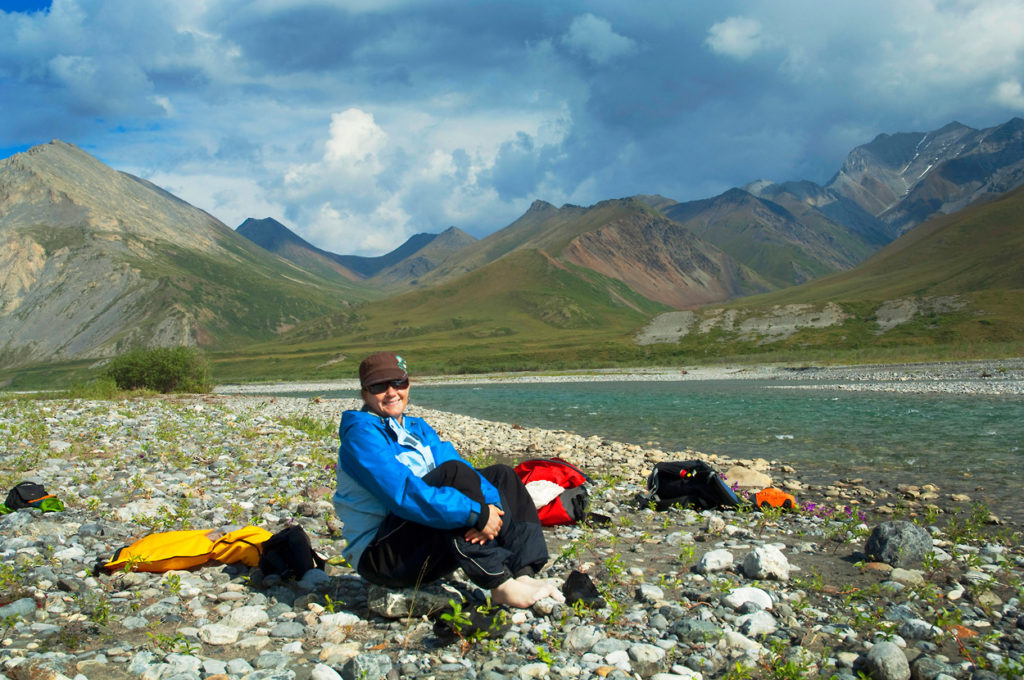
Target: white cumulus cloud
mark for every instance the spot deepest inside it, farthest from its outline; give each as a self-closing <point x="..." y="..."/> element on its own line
<point x="355" y="138"/>
<point x="1009" y="93"/>
<point x="595" y="38"/>
<point x="738" y="37"/>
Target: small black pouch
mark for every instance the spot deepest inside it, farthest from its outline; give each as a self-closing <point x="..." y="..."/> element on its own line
<point x="579" y="588"/>
<point x="289" y="553"/>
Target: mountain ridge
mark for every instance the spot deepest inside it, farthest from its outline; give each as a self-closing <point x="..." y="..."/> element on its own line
<point x="904" y="179"/>
<point x="273" y="236"/>
<point x="957" y="276"/>
<point x="419" y="254"/>
<point x="95" y="261"/>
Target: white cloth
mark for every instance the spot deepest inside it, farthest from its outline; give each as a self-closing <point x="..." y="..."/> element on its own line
<point x="543" y="492"/>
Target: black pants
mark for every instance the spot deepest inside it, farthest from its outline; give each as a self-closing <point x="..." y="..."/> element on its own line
<point x="405" y="554"/>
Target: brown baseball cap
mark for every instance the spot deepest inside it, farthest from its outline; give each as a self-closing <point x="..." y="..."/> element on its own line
<point x="382" y="367"/>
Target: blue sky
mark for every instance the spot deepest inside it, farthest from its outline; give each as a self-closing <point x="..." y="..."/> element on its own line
<point x="358" y="123"/>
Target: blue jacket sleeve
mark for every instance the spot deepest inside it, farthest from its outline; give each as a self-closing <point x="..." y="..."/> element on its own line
<point x="368" y="454"/>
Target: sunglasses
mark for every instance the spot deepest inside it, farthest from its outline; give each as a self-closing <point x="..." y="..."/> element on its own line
<point x="378" y="388"/>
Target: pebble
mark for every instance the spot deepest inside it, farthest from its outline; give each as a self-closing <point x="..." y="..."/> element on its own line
<point x="687" y="594"/>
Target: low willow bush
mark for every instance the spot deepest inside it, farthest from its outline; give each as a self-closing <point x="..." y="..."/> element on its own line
<point x="163" y="369"/>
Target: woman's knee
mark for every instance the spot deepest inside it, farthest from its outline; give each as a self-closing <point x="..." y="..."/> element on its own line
<point x="448" y="472"/>
<point x="499" y="471"/>
<point x="453" y="466"/>
<point x="458" y="476"/>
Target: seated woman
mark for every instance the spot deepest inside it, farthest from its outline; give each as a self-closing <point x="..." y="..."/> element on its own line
<point x="414" y="510"/>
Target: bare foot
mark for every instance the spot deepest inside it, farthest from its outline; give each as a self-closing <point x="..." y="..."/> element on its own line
<point x="549" y="587"/>
<point x="524" y="591"/>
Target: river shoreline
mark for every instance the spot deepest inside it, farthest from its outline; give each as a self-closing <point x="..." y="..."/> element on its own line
<point x="1003" y="379"/>
<point x="994" y="377"/>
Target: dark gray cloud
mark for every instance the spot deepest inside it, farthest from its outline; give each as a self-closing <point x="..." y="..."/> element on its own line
<point x="360" y="122"/>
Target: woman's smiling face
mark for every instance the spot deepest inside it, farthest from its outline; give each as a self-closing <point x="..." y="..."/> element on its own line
<point x="389" y="403"/>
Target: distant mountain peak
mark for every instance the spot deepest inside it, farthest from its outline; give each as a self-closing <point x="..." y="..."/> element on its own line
<point x="539" y="205"/>
<point x="907" y="177"/>
<point x="758" y="186"/>
<point x="421" y="251"/>
<point x="99" y="197"/>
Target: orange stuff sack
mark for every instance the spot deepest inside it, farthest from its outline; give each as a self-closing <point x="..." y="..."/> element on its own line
<point x="774" y="498"/>
<point x="170" y="550"/>
<point x="164" y="551"/>
<point x="241" y="545"/>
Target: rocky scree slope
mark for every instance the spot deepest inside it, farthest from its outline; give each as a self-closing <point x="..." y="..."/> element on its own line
<point x="905" y="178"/>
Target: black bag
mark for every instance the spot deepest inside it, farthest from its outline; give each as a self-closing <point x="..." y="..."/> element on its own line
<point x="31" y="495"/>
<point x="691" y="483"/>
<point x="289" y="553"/>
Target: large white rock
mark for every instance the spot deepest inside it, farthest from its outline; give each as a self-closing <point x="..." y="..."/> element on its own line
<point x="324" y="672"/>
<point x="766" y="562"/>
<point x="738" y="597"/>
<point x="247" y="617"/>
<point x="714" y="561"/>
<point x="218" y="634"/>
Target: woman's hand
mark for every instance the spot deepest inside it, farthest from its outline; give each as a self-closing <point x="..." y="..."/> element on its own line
<point x="490" y="530"/>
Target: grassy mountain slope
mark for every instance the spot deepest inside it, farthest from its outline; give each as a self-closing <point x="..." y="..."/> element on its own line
<point x="523" y="311"/>
<point x="622" y="239"/>
<point x="978" y="249"/>
<point x="95" y="261"/>
<point x="953" y="288"/>
<point x="782" y="247"/>
<point x="398" y="277"/>
<point x="662" y="261"/>
<point x="542" y="227"/>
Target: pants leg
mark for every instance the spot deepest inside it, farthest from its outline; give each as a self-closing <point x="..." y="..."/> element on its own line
<point x="405" y="553"/>
<point x="515" y="498"/>
<point x="520" y="545"/>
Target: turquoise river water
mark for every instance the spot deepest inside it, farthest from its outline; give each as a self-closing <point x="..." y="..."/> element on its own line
<point x="966" y="443"/>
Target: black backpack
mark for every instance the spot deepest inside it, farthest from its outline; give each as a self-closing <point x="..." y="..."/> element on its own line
<point x="289" y="553"/>
<point x="31" y="495"/>
<point x="691" y="483"/>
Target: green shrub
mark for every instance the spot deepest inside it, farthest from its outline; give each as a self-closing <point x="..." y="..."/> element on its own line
<point x="164" y="369"/>
<point x="103" y="387"/>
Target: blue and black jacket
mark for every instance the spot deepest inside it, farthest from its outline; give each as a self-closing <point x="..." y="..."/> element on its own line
<point x="376" y="476"/>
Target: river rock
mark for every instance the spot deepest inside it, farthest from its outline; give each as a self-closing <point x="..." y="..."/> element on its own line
<point x="738" y="598"/>
<point x="898" y="543"/>
<point x="715" y="561"/>
<point x="766" y="562"/>
<point x="747" y="478"/>
<point x="886" y="661"/>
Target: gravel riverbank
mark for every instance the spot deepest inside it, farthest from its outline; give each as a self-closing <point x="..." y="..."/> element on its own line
<point x="717" y="594"/>
<point x="971" y="377"/>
